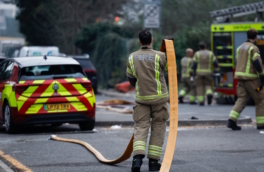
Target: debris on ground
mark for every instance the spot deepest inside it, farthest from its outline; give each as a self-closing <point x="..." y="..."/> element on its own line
<point x="115" y="102"/>
<point x="124" y="87"/>
<point x="116" y="106"/>
<point x="195" y="118"/>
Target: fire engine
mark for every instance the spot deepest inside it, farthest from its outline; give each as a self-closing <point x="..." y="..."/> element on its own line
<point x="226" y="38"/>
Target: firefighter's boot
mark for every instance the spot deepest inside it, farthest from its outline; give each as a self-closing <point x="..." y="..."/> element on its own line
<point x="201" y="104"/>
<point x="154" y="165"/>
<point x="260" y="128"/>
<point x="137" y="162"/>
<point x="232" y="124"/>
<point x="181" y="99"/>
<point x="209" y="99"/>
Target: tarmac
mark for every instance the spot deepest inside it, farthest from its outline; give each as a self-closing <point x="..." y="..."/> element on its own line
<point x="189" y="115"/>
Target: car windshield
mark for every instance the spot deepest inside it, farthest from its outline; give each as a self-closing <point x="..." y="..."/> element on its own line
<point x="51" y="72"/>
<point x="86" y="64"/>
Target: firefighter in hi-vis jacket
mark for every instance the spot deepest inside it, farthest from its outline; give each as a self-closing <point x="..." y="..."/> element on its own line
<point x="250" y="75"/>
<point x="203" y="61"/>
<point x="187" y="77"/>
<point x="145" y="71"/>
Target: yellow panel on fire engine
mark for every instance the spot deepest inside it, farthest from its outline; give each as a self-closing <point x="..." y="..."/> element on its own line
<point x="236" y="27"/>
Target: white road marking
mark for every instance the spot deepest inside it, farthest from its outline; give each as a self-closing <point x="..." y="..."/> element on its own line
<point x="5" y="167"/>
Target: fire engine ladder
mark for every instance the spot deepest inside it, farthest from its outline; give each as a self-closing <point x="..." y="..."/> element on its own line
<point x="253" y="8"/>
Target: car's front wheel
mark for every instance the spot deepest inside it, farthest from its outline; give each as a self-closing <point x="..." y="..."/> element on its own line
<point x="84" y="126"/>
<point x="9" y="125"/>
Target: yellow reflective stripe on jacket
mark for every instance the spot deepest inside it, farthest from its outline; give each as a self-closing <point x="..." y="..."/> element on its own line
<point x="255" y="56"/>
<point x="152" y="97"/>
<point x="188" y="68"/>
<point x="166" y="67"/>
<point x="157" y="74"/>
<point x="132" y="66"/>
<point x="237" y="52"/>
<point x="198" y="61"/>
<point x="129" y="71"/>
<point x="248" y="61"/>
<point x="133" y="72"/>
<point x="251" y="75"/>
<point x="210" y="60"/>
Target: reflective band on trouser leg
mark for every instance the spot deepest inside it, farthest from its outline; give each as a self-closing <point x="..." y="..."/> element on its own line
<point x="209" y="92"/>
<point x="200" y="99"/>
<point x="154" y="151"/>
<point x="248" y="61"/>
<point x="157" y="74"/>
<point x="192" y="98"/>
<point x="234" y="115"/>
<point x="182" y="93"/>
<point x="139" y="147"/>
<point x="260" y="120"/>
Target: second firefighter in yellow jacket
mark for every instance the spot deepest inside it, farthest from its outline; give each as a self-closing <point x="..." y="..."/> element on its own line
<point x="187" y="77"/>
<point x="250" y="75"/>
<point x="203" y="62"/>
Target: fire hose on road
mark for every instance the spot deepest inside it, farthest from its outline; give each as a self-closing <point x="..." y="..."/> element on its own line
<point x="166" y="46"/>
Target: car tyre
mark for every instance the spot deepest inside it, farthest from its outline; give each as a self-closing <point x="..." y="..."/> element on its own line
<point x="95" y="90"/>
<point x="56" y="125"/>
<point x="9" y="124"/>
<point x="84" y="126"/>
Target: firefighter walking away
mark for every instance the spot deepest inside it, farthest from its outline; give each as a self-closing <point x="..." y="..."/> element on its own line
<point x="202" y="67"/>
<point x="145" y="71"/>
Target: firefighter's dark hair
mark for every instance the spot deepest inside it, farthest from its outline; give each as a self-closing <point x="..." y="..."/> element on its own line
<point x="252" y="34"/>
<point x="202" y="45"/>
<point x="145" y="37"/>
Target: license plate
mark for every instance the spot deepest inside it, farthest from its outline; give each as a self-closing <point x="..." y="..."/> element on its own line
<point x="60" y="106"/>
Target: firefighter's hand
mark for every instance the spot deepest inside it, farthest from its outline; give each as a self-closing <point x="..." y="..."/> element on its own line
<point x="168" y="100"/>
